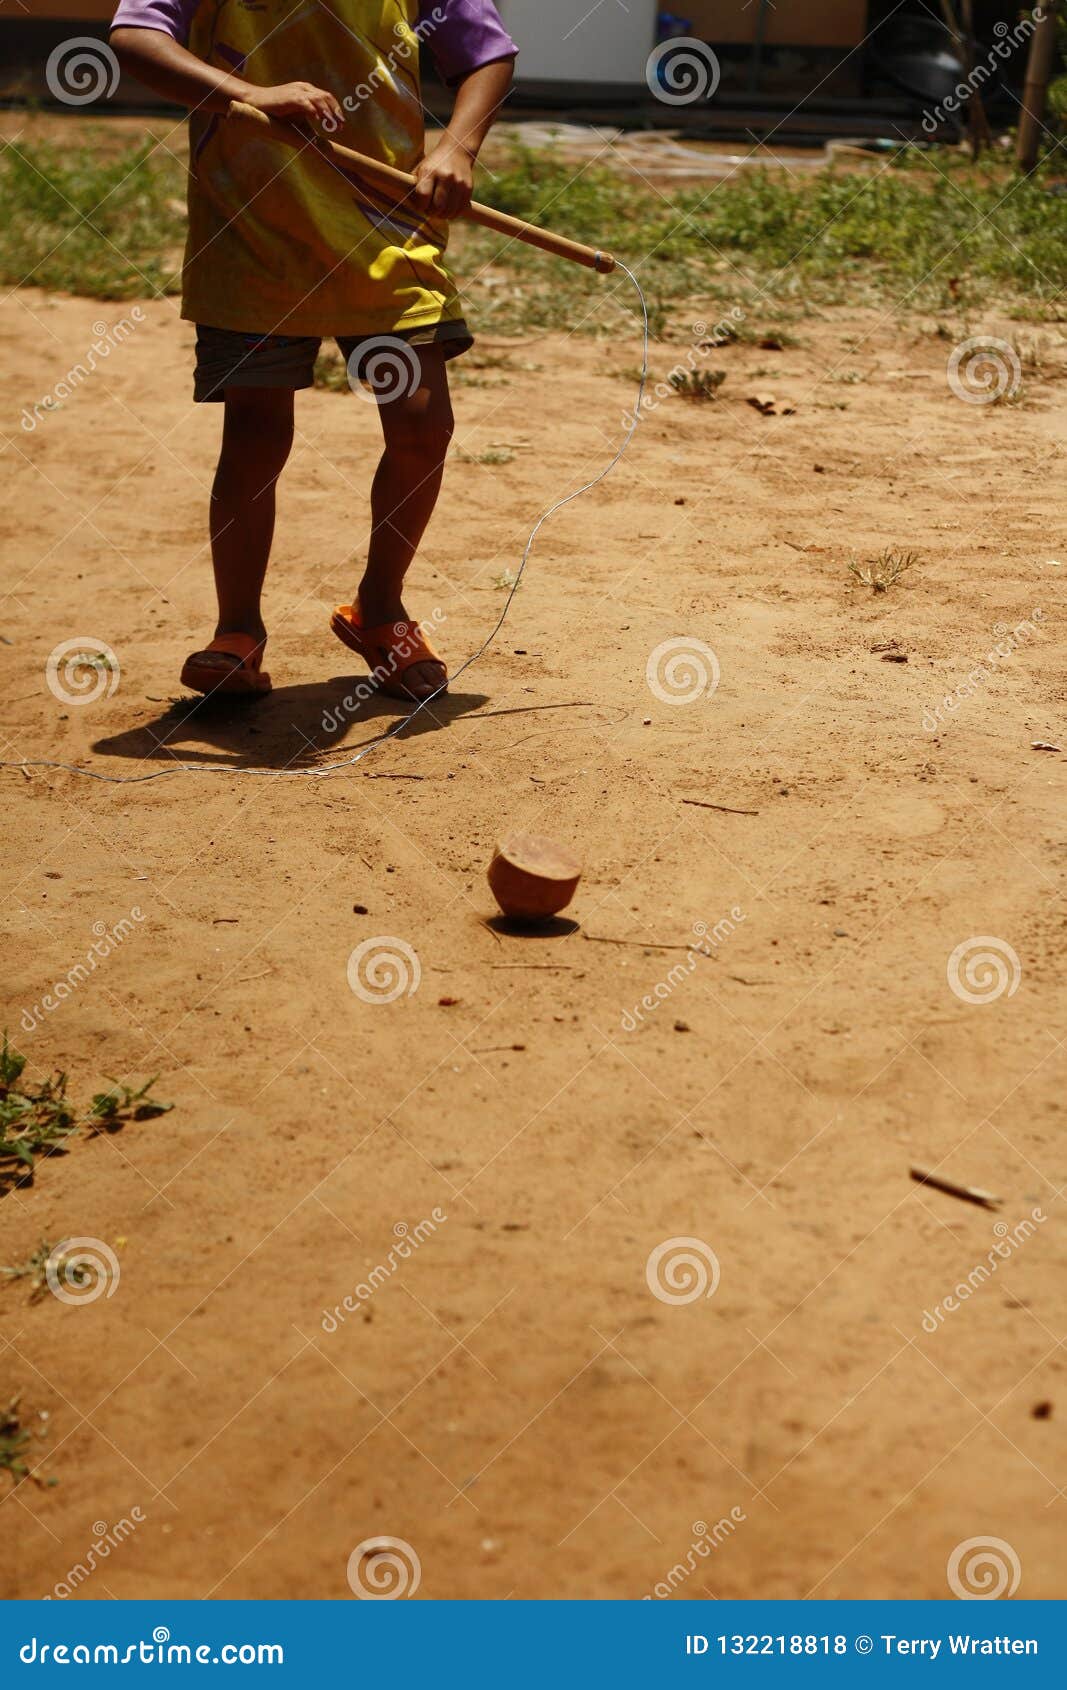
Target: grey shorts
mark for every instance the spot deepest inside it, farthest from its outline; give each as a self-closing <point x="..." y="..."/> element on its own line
<point x="229" y="358"/>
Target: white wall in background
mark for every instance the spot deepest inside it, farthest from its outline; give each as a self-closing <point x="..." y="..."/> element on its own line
<point x="582" y="40"/>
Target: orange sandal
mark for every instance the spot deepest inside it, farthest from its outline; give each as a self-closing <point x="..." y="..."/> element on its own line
<point x="389" y="650"/>
<point x="246" y="676"/>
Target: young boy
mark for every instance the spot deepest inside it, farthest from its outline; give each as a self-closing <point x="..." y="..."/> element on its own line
<point x="283" y="250"/>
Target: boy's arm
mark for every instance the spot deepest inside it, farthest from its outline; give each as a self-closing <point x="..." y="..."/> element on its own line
<point x="476" y="55"/>
<point x="445" y="180"/>
<point x="148" y="38"/>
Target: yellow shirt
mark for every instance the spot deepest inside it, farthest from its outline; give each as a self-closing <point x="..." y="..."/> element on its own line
<point x="280" y="241"/>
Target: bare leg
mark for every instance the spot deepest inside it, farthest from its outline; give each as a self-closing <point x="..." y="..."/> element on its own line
<point x="417" y="431"/>
<point x="257" y="434"/>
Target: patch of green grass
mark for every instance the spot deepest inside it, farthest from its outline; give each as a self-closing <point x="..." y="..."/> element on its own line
<point x="928" y="230"/>
<point x="15" y="1441"/>
<point x="464" y="378"/>
<point x="492" y="455"/>
<point x="110" y="226"/>
<point x="331" y="372"/>
<point x="697" y="384"/>
<point x="35" y="1269"/>
<point x="38" y="1120"/>
<point x="71" y="1270"/>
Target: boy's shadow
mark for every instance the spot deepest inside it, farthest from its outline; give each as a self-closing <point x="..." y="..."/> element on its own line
<point x="291" y="727"/>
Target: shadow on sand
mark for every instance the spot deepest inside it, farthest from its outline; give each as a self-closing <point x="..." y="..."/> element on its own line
<point x="293" y="727"/>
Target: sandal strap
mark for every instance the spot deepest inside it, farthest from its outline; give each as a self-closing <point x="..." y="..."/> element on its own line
<point x="404" y="644"/>
<point x="241" y="647"/>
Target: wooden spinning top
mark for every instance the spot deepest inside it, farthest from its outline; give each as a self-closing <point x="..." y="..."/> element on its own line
<point x="532" y="877"/>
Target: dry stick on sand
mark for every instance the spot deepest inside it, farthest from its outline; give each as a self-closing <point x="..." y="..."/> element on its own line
<point x="728" y="809"/>
<point x="639" y="944"/>
<point x="969" y="1193"/>
<point x="524" y="709"/>
<point x="554" y="966"/>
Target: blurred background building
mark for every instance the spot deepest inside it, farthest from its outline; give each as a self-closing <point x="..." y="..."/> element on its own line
<point x="804" y="69"/>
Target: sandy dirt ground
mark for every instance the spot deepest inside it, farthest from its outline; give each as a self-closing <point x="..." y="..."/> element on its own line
<point x="530" y="1397"/>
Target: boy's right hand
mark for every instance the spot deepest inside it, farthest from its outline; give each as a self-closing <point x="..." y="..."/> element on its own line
<point x="301" y="100"/>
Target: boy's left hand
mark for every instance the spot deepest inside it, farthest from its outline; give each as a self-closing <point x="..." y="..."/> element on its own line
<point x="445" y="180"/>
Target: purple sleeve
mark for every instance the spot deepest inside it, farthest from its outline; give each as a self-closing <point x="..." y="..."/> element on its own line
<point x="171" y="17"/>
<point x="462" y="35"/>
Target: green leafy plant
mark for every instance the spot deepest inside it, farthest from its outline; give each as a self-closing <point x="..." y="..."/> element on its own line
<point x="35" y="1269"/>
<point x="123" y="1103"/>
<point x="15" y="1441"/>
<point x="37" y="1120"/>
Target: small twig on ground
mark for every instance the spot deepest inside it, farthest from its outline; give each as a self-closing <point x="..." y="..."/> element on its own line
<point x="728" y="809"/>
<point x="524" y="709"/>
<point x="553" y="965"/>
<point x="639" y="944"/>
<point x="969" y="1193"/>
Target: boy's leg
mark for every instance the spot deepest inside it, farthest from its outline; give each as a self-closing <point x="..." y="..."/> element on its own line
<point x="417" y="430"/>
<point x="257" y="435"/>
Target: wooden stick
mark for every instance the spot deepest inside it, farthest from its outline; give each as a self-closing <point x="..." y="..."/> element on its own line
<point x="969" y="1193"/>
<point x="401" y="183"/>
<point x="727" y="809"/>
<point x="638" y="944"/>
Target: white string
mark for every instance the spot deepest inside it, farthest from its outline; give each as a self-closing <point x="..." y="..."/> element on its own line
<point x="423" y="704"/>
